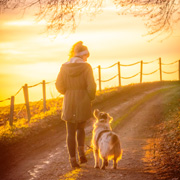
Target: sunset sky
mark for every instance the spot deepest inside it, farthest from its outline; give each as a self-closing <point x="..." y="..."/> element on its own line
<point x="28" y="55"/>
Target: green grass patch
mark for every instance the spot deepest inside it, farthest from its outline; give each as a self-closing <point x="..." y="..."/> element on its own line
<point x="137" y="105"/>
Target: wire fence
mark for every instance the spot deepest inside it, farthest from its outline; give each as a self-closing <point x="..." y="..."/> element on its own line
<point x="25" y="111"/>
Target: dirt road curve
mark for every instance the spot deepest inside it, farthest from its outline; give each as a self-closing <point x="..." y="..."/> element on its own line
<point x="44" y="157"/>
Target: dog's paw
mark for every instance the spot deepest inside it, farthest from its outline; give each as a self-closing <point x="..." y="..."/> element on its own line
<point x="103" y="167"/>
<point x="96" y="167"/>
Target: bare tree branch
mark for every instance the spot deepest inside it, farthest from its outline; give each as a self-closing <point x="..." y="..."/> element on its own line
<point x="159" y="15"/>
<point x="64" y="15"/>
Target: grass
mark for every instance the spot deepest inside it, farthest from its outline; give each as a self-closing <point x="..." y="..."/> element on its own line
<point x="135" y="106"/>
<point x="167" y="157"/>
<point x="72" y="175"/>
<point x="41" y="120"/>
<point x="166" y="147"/>
<point x="163" y="151"/>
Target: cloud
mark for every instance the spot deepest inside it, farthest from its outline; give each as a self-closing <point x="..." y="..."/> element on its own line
<point x="20" y="30"/>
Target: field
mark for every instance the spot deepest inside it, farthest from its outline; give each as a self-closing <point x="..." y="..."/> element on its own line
<point x="146" y="117"/>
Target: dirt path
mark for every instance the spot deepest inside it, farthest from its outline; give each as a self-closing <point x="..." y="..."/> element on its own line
<point x="45" y="157"/>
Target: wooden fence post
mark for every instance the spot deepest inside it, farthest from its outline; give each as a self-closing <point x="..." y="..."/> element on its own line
<point x="119" y="73"/>
<point x="99" y="69"/>
<point x="141" y="71"/>
<point x="179" y="70"/>
<point x="44" y="95"/>
<point x="26" y="98"/>
<point x="160" y="69"/>
<point x="11" y="111"/>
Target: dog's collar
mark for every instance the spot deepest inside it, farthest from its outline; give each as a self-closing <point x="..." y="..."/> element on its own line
<point x="101" y="120"/>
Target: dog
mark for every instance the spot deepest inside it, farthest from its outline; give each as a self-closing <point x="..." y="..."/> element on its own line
<point x="106" y="143"/>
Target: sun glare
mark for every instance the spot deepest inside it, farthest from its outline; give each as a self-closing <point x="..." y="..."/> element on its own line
<point x="20" y="23"/>
<point x="26" y="22"/>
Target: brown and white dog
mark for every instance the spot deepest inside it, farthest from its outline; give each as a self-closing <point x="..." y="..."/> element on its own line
<point x="106" y="143"/>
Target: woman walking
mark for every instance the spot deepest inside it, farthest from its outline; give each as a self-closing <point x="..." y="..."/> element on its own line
<point x="75" y="80"/>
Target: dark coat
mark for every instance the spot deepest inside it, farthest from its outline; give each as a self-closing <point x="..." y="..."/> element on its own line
<point x="76" y="82"/>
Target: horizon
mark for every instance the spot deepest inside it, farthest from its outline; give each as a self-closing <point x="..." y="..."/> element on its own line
<point x="29" y="56"/>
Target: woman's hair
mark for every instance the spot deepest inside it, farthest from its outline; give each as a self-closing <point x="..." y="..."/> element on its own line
<point x="77" y="48"/>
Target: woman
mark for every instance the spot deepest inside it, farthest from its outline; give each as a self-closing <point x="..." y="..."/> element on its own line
<point x="76" y="82"/>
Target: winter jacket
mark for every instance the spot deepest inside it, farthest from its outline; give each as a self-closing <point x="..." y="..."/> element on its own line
<point x="75" y="80"/>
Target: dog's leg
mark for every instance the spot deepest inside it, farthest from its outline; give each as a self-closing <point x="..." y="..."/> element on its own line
<point x="96" y="158"/>
<point x="114" y="163"/>
<point x="104" y="161"/>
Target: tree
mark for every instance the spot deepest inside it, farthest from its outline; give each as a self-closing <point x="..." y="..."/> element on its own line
<point x="63" y="15"/>
<point x="159" y="15"/>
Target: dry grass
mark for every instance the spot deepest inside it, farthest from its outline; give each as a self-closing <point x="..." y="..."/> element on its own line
<point x="166" y="158"/>
<point x="164" y="149"/>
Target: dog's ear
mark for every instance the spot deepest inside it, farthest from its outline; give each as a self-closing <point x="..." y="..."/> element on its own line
<point x="96" y="113"/>
<point x="110" y="119"/>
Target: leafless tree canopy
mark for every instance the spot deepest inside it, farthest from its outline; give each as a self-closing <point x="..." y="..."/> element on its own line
<point x="64" y="15"/>
<point x="159" y="15"/>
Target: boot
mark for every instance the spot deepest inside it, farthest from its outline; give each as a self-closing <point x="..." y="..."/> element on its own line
<point x="82" y="157"/>
<point x="74" y="163"/>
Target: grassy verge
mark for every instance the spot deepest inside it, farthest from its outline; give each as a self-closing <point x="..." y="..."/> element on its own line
<point x="163" y="151"/>
<point x="39" y="120"/>
<point x="135" y="106"/>
<point x="166" y="148"/>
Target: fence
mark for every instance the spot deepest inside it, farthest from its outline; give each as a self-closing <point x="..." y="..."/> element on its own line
<point x="26" y="98"/>
<point x="141" y="73"/>
<point x="43" y="83"/>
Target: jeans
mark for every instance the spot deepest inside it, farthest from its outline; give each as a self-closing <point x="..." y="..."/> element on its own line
<point x="75" y="133"/>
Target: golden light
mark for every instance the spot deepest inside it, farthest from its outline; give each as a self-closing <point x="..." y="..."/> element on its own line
<point x="29" y="55"/>
<point x="20" y="23"/>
